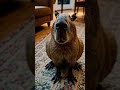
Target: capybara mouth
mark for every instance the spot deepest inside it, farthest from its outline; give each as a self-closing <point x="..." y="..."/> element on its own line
<point x="61" y="41"/>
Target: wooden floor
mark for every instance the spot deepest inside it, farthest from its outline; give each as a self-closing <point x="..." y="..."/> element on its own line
<point x="43" y="30"/>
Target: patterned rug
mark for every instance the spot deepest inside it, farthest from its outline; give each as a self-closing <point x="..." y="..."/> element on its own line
<point x="43" y="77"/>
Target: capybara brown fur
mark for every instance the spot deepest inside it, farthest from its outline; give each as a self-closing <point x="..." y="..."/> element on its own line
<point x="64" y="48"/>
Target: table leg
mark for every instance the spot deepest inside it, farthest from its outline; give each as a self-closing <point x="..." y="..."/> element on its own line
<point x="61" y="6"/>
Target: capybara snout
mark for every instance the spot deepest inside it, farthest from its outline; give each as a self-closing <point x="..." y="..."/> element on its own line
<point x="61" y="36"/>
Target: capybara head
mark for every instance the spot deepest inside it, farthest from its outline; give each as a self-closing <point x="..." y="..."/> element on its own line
<point x="63" y="29"/>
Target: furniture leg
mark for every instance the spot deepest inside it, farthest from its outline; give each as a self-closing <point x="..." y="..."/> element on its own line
<point x="74" y="9"/>
<point x="48" y="23"/>
<point x="77" y="9"/>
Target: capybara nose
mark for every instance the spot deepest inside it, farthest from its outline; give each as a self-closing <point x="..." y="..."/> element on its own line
<point x="61" y="25"/>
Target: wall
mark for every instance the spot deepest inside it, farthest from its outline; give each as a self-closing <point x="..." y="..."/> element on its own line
<point x="65" y="6"/>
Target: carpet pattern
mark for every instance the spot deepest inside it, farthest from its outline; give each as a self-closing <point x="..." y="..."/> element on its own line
<point x="43" y="77"/>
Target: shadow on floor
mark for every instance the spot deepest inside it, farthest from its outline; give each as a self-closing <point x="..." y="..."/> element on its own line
<point x="38" y="28"/>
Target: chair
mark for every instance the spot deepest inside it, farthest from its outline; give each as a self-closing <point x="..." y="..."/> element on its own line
<point x="43" y="11"/>
<point x="79" y="3"/>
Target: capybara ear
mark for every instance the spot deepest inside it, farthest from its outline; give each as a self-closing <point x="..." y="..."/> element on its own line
<point x="56" y="13"/>
<point x="73" y="17"/>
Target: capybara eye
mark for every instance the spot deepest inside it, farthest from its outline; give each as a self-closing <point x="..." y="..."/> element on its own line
<point x="64" y="25"/>
<point x="57" y="25"/>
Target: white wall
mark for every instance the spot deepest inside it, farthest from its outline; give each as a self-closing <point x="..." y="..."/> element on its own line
<point x="65" y="6"/>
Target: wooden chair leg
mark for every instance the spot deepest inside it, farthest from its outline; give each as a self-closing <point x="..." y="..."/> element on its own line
<point x="48" y="23"/>
<point x="74" y="9"/>
<point x="77" y="9"/>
